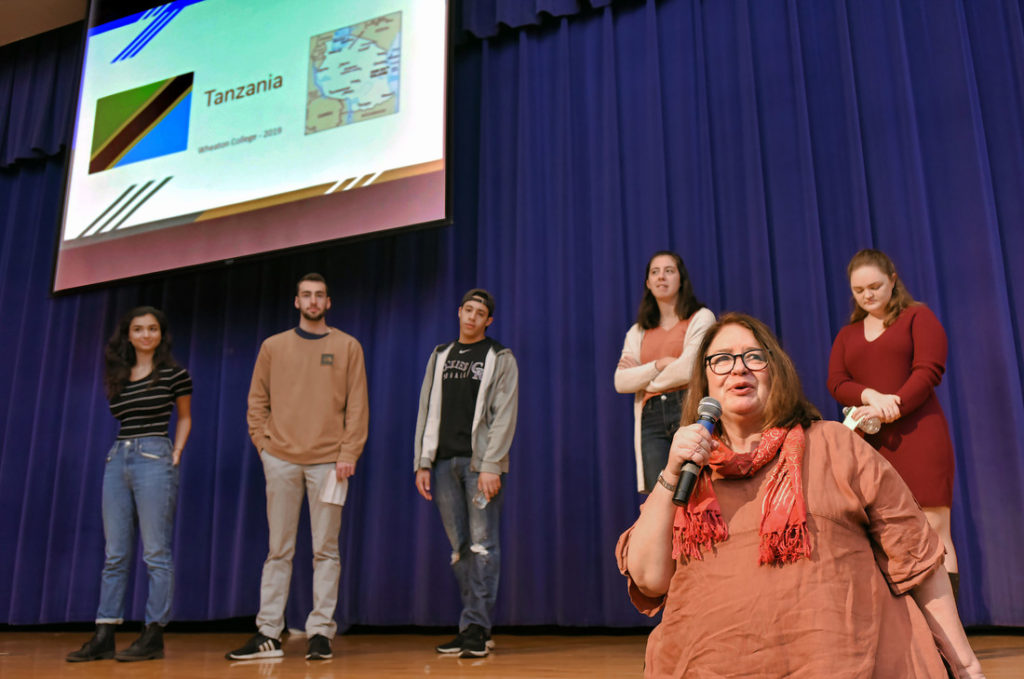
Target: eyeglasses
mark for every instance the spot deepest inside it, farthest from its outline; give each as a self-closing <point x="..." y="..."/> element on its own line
<point x="722" y="364"/>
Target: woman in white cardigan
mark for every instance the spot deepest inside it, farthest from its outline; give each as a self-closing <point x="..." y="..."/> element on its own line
<point x="657" y="359"/>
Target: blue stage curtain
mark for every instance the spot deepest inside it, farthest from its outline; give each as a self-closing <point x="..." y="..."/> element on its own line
<point x="37" y="89"/>
<point x="766" y="141"/>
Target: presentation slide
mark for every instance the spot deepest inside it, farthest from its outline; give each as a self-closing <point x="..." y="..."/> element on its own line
<point x="213" y="129"/>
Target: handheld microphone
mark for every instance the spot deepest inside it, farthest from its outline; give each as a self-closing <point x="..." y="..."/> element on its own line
<point x="708" y="412"/>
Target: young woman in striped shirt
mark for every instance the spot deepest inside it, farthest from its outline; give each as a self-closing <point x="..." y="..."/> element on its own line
<point x="140" y="483"/>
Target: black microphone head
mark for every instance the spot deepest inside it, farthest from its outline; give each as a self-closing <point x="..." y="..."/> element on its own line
<point x="709" y="409"/>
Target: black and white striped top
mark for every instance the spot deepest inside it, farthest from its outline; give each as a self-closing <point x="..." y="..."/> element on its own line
<point x="144" y="409"/>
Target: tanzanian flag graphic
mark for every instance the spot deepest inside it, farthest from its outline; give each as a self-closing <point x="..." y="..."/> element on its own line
<point x="141" y="123"/>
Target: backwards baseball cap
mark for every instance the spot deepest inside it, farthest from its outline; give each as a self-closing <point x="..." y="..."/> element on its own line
<point x="482" y="296"/>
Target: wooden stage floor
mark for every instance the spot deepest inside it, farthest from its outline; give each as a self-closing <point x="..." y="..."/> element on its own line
<point x="27" y="655"/>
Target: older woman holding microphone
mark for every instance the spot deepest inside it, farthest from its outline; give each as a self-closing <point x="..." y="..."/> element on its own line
<point x="800" y="553"/>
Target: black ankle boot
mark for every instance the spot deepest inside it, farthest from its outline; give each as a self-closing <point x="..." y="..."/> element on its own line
<point x="100" y="647"/>
<point x="149" y="645"/>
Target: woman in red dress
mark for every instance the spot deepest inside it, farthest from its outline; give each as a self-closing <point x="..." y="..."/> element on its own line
<point x="887" y="362"/>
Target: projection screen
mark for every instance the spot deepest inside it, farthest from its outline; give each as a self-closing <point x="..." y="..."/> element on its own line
<point x="208" y="130"/>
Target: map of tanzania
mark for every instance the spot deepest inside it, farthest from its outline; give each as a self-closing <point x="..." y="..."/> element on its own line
<point x="353" y="73"/>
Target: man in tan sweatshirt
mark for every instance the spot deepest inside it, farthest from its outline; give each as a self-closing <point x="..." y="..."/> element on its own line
<point x="308" y="418"/>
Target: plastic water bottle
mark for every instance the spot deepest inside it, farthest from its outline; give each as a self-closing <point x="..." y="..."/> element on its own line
<point x="869" y="426"/>
<point x="480" y="500"/>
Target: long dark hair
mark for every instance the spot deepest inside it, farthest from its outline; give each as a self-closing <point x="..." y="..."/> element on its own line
<point x="787" y="405"/>
<point x="901" y="297"/>
<point x="120" y="354"/>
<point x="687" y="303"/>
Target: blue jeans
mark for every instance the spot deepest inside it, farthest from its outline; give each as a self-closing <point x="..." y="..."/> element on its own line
<point x="139" y="482"/>
<point x="473" y="534"/>
<point x="658" y="423"/>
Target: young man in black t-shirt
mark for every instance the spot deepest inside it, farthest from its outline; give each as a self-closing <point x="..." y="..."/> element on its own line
<point x="467" y="418"/>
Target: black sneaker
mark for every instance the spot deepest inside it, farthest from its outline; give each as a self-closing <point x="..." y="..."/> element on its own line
<point x="474" y="642"/>
<point x="258" y="646"/>
<point x="319" y="648"/>
<point x="453" y="646"/>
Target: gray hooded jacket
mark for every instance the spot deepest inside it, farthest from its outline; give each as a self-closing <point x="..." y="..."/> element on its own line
<point x="494" y="419"/>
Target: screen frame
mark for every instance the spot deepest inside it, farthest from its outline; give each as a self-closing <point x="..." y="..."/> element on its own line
<point x="275" y="253"/>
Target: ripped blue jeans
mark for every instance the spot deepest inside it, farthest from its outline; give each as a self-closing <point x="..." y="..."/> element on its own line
<point x="473" y="534"/>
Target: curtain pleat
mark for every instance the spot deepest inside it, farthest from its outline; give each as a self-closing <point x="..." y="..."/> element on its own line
<point x="37" y="93"/>
<point x="765" y="141"/>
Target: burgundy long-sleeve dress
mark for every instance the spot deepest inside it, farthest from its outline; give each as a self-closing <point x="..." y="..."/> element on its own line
<point x="908" y="359"/>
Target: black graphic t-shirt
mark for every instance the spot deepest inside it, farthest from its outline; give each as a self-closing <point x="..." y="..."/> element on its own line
<point x="463" y="370"/>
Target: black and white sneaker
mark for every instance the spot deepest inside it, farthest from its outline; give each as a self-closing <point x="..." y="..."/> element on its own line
<point x="453" y="646"/>
<point x="319" y="648"/>
<point x="258" y="646"/>
<point x="475" y="642"/>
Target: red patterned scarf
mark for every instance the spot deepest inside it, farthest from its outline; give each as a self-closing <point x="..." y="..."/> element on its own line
<point x="699" y="525"/>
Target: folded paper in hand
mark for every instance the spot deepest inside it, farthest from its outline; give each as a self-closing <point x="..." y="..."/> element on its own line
<point x="334" y="491"/>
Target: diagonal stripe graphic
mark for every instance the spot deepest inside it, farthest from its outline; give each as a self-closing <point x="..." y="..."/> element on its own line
<point x="106" y="210"/>
<point x="121" y="209"/>
<point x="159" y="17"/>
<point x="121" y="55"/>
<point x="143" y="38"/>
<point x="155" y="27"/>
<point x="359" y="180"/>
<point x="142" y="202"/>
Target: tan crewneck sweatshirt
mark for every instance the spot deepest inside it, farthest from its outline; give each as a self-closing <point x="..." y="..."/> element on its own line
<point x="307" y="401"/>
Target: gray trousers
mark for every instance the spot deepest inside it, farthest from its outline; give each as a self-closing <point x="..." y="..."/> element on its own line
<point x="286" y="484"/>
